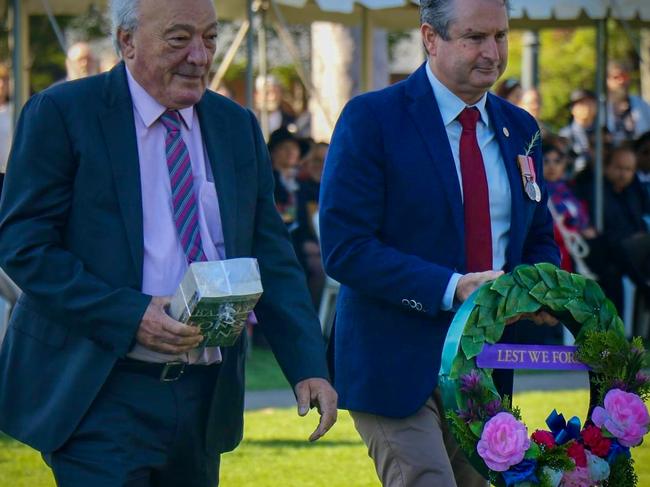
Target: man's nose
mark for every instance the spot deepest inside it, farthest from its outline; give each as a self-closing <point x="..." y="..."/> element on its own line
<point x="199" y="54"/>
<point x="491" y="49"/>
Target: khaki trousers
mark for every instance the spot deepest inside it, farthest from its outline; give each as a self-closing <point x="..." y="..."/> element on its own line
<point x="416" y="451"/>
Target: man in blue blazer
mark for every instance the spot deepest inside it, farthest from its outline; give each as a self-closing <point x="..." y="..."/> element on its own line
<point x="93" y="372"/>
<point x="422" y="201"/>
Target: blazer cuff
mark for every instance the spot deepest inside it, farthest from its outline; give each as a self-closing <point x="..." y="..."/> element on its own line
<point x="450" y="292"/>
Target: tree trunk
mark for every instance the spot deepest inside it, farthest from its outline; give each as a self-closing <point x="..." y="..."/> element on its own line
<point x="644" y="65"/>
<point x="336" y="72"/>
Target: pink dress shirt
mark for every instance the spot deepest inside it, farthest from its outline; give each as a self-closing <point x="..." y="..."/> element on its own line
<point x="164" y="259"/>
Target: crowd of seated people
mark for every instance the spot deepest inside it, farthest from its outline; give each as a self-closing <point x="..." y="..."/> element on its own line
<point x="622" y="248"/>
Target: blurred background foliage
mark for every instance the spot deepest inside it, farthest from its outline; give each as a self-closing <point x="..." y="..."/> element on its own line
<point x="567" y="57"/>
<point x="567" y="60"/>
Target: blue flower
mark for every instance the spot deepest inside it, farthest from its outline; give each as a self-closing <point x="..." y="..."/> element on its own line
<point x="524" y="471"/>
<point x="615" y="450"/>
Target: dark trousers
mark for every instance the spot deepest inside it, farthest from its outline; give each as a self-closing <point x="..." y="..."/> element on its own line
<point x="141" y="432"/>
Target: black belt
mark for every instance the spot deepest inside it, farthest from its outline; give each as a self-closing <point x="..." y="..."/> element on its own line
<point x="165" y="372"/>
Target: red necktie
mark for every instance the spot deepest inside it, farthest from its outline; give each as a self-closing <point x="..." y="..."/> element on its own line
<point x="478" y="230"/>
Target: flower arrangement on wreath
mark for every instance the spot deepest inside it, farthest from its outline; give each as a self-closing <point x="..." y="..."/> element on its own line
<point x="491" y="431"/>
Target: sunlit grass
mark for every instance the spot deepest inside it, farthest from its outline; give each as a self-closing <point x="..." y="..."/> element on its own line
<point x="275" y="451"/>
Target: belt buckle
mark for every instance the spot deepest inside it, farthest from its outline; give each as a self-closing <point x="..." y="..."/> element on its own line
<point x="172" y="371"/>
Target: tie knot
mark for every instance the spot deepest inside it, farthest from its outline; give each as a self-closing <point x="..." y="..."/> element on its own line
<point x="171" y="120"/>
<point x="469" y="117"/>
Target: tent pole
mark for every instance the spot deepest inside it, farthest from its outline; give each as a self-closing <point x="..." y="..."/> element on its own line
<point x="262" y="54"/>
<point x="20" y="56"/>
<point x="530" y="61"/>
<point x="601" y="60"/>
<point x="249" y="55"/>
<point x="281" y="28"/>
<point x="230" y="56"/>
<point x="367" y="50"/>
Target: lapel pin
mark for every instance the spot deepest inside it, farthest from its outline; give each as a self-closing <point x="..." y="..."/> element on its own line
<point x="506" y="132"/>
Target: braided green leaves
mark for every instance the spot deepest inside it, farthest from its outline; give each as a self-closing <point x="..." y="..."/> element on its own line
<point x="578" y="302"/>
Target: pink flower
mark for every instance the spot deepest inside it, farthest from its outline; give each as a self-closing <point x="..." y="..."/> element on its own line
<point x="579" y="477"/>
<point x="624" y="416"/>
<point x="503" y="443"/>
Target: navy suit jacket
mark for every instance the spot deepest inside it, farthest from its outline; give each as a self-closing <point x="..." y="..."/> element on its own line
<point x="71" y="238"/>
<point x="392" y="231"/>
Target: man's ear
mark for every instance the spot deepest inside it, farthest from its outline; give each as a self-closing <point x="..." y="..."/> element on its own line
<point x="429" y="38"/>
<point x="126" y="42"/>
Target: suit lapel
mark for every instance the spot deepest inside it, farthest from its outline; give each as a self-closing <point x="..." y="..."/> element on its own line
<point x="217" y="137"/>
<point x="424" y="110"/>
<point x="118" y="127"/>
<point x="509" y="152"/>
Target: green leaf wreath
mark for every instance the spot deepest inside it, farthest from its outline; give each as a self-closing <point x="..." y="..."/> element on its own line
<point x="597" y="454"/>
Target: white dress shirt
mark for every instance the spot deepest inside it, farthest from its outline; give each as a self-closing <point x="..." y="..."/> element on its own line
<point x="450" y="107"/>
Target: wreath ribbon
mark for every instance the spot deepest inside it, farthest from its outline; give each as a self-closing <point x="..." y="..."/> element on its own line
<point x="563" y="431"/>
<point x="450" y="349"/>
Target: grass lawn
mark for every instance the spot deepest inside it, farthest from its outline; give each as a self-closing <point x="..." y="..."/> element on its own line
<point x="263" y="372"/>
<point x="275" y="451"/>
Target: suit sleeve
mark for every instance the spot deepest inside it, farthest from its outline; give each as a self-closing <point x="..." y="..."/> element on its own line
<point x="539" y="243"/>
<point x="352" y="209"/>
<point x="36" y="202"/>
<point x="285" y="313"/>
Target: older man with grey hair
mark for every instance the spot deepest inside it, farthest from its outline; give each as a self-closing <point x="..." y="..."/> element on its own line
<point x="422" y="202"/>
<point x="116" y="184"/>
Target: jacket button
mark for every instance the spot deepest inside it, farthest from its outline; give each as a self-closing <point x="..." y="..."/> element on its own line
<point x="405" y="302"/>
<point x="418" y="306"/>
<point x="413" y="303"/>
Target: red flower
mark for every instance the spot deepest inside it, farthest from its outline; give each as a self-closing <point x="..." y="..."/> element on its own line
<point x="543" y="438"/>
<point x="577" y="452"/>
<point x="594" y="440"/>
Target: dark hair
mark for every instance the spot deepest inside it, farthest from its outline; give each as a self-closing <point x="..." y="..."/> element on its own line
<point x="281" y="136"/>
<point x="506" y="87"/>
<point x="439" y="14"/>
<point x="622" y="147"/>
<point x="644" y="138"/>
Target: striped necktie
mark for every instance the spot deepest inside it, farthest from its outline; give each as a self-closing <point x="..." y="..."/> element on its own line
<point x="186" y="217"/>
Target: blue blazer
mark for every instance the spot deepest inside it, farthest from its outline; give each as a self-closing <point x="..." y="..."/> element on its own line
<point x="71" y="238"/>
<point x="392" y="231"/>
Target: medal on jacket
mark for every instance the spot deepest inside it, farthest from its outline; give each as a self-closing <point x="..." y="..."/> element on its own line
<point x="529" y="178"/>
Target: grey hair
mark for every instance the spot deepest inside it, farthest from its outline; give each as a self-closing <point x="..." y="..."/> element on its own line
<point x="439" y="14"/>
<point x="124" y="16"/>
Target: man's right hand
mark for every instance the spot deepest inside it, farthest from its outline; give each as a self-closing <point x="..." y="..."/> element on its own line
<point x="161" y="333"/>
<point x="472" y="281"/>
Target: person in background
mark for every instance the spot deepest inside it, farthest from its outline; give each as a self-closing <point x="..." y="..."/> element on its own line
<point x="306" y="237"/>
<point x="625" y="232"/>
<point x="6" y="120"/>
<point x="531" y="101"/>
<point x="107" y="60"/>
<point x="284" y="148"/>
<point x="509" y="89"/>
<point x="280" y="114"/>
<point x="571" y="212"/>
<point x="642" y="149"/>
<point x="80" y="61"/>
<point x="628" y="116"/>
<point x="582" y="104"/>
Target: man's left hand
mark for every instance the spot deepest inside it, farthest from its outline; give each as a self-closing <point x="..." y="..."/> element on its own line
<point x="317" y="393"/>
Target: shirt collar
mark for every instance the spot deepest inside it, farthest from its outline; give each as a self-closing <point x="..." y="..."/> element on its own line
<point x="450" y="105"/>
<point x="148" y="109"/>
